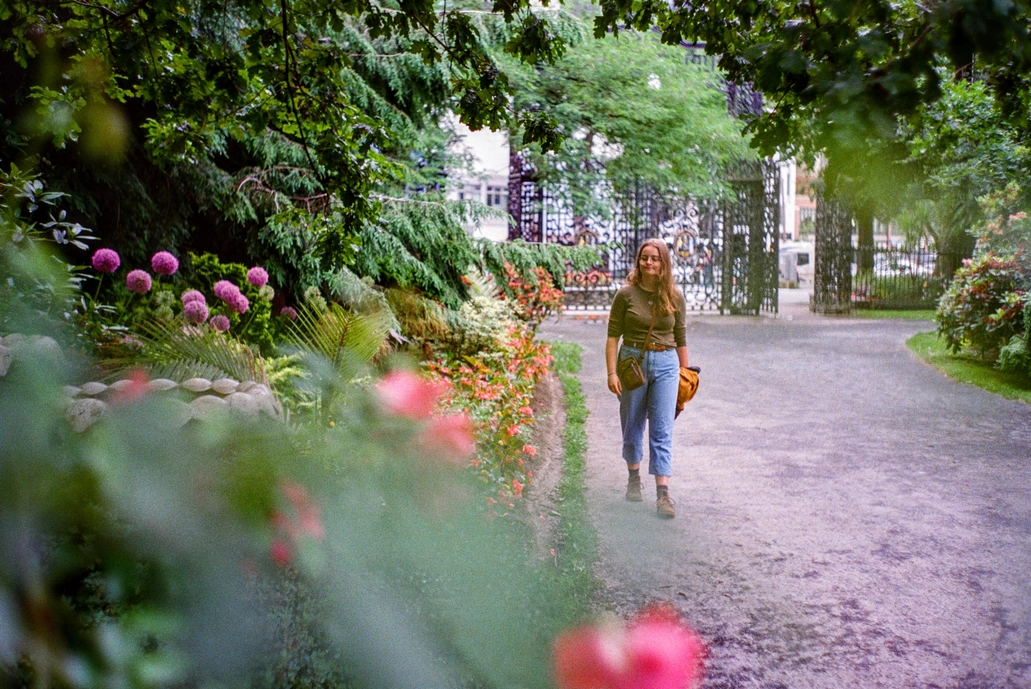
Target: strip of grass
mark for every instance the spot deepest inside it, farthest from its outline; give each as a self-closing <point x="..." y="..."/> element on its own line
<point x="967" y="369"/>
<point x="577" y="550"/>
<point x="914" y="315"/>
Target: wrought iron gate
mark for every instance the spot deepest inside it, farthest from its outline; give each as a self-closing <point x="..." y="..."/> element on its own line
<point x="724" y="254"/>
<point x="882" y="275"/>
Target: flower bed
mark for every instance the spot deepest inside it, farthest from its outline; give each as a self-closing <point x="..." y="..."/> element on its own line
<point x="496" y="389"/>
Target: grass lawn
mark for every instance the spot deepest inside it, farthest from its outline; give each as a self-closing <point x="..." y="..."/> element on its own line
<point x="967" y="369"/>
<point x="914" y="315"/>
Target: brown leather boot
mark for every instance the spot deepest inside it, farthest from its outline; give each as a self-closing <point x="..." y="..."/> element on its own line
<point x="664" y="506"/>
<point x="633" y="489"/>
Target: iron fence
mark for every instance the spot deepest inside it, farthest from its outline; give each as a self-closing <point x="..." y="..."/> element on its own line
<point x="899" y="277"/>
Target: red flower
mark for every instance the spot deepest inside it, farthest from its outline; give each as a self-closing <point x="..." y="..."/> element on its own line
<point x="403" y="393"/>
<point x="513" y="430"/>
<point x="656" y="651"/>
<point x="449" y="437"/>
<point x="530" y="450"/>
<point x="517" y="488"/>
<point x="280" y="552"/>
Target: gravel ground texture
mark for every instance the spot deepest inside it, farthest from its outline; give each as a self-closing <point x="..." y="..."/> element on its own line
<point x="846" y="516"/>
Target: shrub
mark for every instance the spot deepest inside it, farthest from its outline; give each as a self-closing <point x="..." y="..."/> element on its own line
<point x="983" y="307"/>
<point x="535" y="298"/>
<point x="496" y="389"/>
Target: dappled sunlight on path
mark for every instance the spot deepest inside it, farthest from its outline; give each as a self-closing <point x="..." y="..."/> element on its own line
<point x="846" y="516"/>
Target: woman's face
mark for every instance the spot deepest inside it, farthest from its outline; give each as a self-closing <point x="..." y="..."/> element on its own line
<point x="650" y="262"/>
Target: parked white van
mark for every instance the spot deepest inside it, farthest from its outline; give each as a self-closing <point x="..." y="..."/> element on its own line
<point x="796" y="264"/>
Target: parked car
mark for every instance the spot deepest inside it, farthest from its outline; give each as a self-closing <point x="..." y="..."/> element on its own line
<point x="901" y="264"/>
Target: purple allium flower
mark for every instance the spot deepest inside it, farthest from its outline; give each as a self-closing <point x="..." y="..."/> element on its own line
<point x="219" y="323"/>
<point x="164" y="263"/>
<point x="257" y="276"/>
<point x="240" y="304"/>
<point x="106" y="260"/>
<point x="195" y="311"/>
<point x="138" y="281"/>
<point x="226" y="290"/>
<point x="288" y="312"/>
<point x="193" y="295"/>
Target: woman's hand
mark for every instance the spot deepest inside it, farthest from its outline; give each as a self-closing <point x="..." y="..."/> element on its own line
<point x="614" y="385"/>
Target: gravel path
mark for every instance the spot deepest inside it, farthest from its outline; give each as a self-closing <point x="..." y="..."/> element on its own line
<point x="847" y="517"/>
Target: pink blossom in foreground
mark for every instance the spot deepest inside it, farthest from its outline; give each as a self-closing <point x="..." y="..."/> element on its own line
<point x="219" y="323"/>
<point x="164" y="263"/>
<point x="404" y="393"/>
<point x="226" y="290"/>
<point x="655" y="651"/>
<point x="106" y="260"/>
<point x="195" y="311"/>
<point x="257" y="276"/>
<point x="193" y="295"/>
<point x="517" y="488"/>
<point x="309" y="516"/>
<point x="139" y="385"/>
<point x="449" y="437"/>
<point x="288" y="312"/>
<point x="280" y="552"/>
<point x="138" y="281"/>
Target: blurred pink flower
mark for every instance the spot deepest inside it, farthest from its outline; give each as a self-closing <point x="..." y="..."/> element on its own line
<point x="195" y="311"/>
<point x="193" y="295"/>
<point x="164" y="263"/>
<point x="138" y="281"/>
<point x="219" y="323"/>
<point x="257" y="276"/>
<point x="530" y="450"/>
<point x="404" y="393"/>
<point x="288" y="312"/>
<point x="309" y="516"/>
<point x="106" y="260"/>
<point x="517" y="488"/>
<point x="280" y="552"/>
<point x="139" y="385"/>
<point x="655" y="651"/>
<point x="449" y="437"/>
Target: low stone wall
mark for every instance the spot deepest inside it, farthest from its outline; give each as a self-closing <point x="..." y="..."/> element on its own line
<point x="195" y="398"/>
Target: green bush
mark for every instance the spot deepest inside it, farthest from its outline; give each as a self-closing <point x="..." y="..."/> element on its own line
<point x="983" y="307"/>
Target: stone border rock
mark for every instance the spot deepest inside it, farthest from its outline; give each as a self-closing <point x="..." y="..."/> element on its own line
<point x="91" y="401"/>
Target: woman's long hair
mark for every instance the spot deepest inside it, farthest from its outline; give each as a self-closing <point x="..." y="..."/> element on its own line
<point x="667" y="290"/>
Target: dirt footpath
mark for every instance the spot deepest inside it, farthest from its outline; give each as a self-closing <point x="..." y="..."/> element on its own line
<point x="847" y="517"/>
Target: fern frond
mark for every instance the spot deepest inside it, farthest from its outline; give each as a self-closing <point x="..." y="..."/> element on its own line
<point x="344" y="339"/>
<point x="178" y="353"/>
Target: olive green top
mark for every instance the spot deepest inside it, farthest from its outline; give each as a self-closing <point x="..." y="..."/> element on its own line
<point x="631" y="314"/>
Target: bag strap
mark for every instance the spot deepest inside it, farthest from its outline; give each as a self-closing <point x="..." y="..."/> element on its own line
<point x="648" y="337"/>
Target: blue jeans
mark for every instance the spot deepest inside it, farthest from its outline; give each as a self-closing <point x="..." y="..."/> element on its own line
<point x="656" y="402"/>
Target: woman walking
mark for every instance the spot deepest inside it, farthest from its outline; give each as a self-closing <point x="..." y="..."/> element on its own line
<point x="649" y="302"/>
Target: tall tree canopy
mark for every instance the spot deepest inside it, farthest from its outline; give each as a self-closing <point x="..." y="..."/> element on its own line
<point x="836" y="72"/>
<point x="633" y="111"/>
<point x="286" y="128"/>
